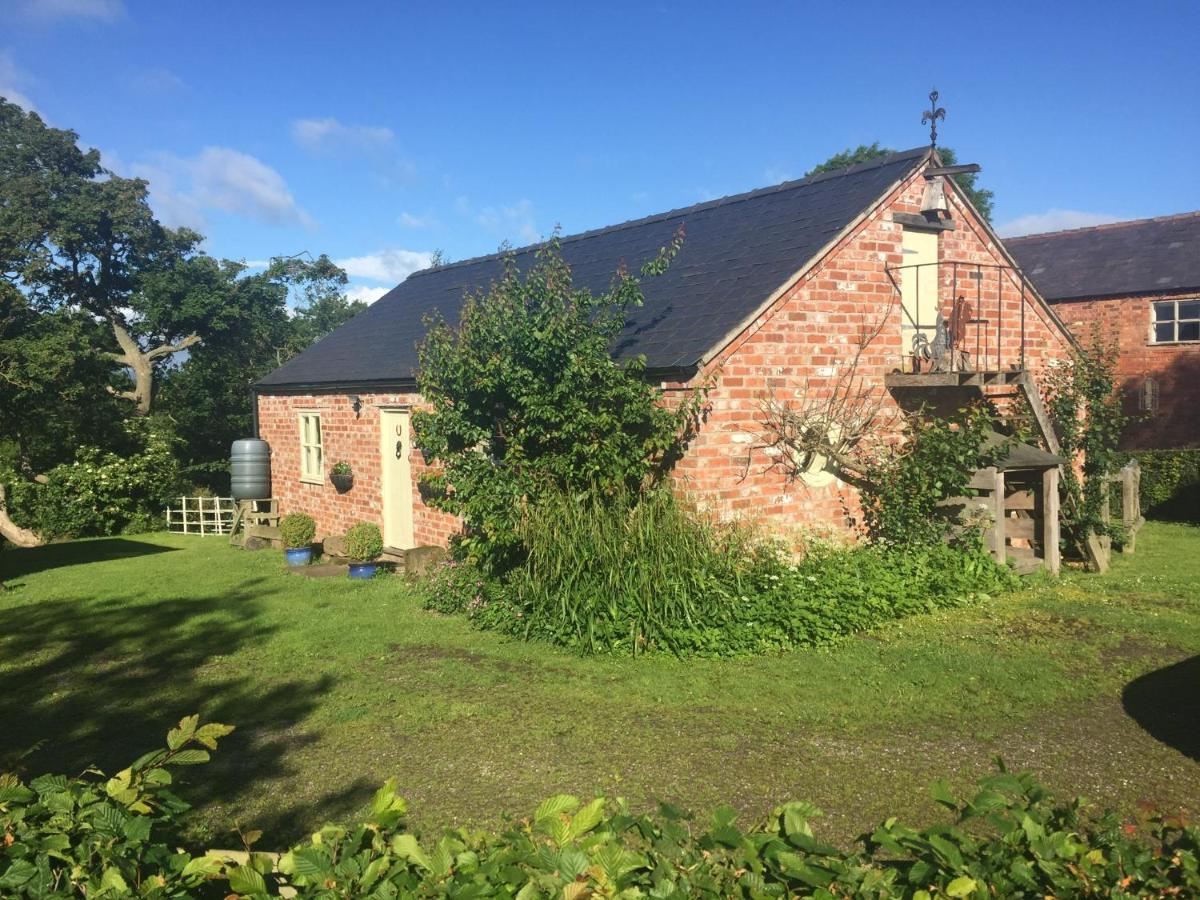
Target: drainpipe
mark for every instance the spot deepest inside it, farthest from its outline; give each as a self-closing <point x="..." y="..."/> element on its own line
<point x="254" y="411"/>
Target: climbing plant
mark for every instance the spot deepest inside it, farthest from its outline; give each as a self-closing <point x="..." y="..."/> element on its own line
<point x="1086" y="406"/>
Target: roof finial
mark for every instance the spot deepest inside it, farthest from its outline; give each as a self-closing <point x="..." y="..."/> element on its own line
<point x="932" y="115"/>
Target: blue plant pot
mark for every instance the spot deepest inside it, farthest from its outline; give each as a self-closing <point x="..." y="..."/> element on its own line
<point x="362" y="570"/>
<point x="298" y="556"/>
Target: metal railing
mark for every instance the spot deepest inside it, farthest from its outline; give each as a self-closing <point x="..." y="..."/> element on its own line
<point x="972" y="337"/>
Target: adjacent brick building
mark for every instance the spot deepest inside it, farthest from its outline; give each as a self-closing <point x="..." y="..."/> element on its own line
<point x="772" y="295"/>
<point x="1136" y="284"/>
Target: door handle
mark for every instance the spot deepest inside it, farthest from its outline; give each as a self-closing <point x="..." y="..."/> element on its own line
<point x="399" y="449"/>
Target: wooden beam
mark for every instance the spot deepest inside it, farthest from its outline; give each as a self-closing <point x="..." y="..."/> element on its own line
<point x="1050" y="524"/>
<point x="1029" y="388"/>
<point x="996" y="536"/>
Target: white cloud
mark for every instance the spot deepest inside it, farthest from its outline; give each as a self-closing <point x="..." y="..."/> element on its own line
<point x="508" y="221"/>
<point x="366" y="293"/>
<point x="57" y="10"/>
<point x="408" y="220"/>
<point x="13" y="81"/>
<point x="391" y="265"/>
<point x="1053" y="220"/>
<point x="220" y="178"/>
<point x="331" y="136"/>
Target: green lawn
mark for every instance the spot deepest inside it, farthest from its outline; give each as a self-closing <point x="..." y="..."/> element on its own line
<point x="1094" y="683"/>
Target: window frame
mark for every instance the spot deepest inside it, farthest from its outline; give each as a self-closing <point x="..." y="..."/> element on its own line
<point x="309" y="474"/>
<point x="1174" y="321"/>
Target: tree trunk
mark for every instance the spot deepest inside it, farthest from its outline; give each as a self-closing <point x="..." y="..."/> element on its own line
<point x="11" y="531"/>
<point x="141" y="363"/>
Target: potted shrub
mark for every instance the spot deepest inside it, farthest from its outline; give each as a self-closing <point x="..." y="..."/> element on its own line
<point x="341" y="476"/>
<point x="362" y="545"/>
<point x="298" y="531"/>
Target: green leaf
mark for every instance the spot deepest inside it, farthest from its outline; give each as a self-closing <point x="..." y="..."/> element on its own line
<point x="19" y="872"/>
<point x="940" y="792"/>
<point x="406" y="847"/>
<point x="112" y="880"/>
<point x="245" y="880"/>
<point x="177" y="737"/>
<point x="962" y="886"/>
<point x="555" y="806"/>
<point x="191" y="757"/>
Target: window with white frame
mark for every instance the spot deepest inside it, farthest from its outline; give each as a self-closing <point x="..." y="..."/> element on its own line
<point x="1176" y="321"/>
<point x="311" y="454"/>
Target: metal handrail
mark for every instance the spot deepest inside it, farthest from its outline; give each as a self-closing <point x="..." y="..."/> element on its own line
<point x="953" y="357"/>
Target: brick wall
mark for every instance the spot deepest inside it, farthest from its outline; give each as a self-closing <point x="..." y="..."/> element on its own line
<point x="1175" y="368"/>
<point x="344" y="436"/>
<point x="797" y="345"/>
<point x="801" y="344"/>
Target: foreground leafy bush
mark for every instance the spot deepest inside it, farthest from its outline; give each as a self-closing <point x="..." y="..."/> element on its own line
<point x="97" y="837"/>
<point x="654" y="575"/>
<point x="102" y="839"/>
<point x="103" y="492"/>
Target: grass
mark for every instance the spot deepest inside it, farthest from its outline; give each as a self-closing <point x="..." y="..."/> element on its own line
<point x="1092" y="682"/>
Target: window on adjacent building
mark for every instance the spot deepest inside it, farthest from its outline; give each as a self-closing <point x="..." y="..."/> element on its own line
<point x="1176" y="320"/>
<point x="311" y="455"/>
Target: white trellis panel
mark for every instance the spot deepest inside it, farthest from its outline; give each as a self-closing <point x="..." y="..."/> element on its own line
<point x="201" y="515"/>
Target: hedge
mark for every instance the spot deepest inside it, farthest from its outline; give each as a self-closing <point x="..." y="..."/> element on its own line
<point x="1170" y="483"/>
<point x="96" y="837"/>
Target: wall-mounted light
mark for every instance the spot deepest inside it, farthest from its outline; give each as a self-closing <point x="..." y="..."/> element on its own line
<point x="355" y="403"/>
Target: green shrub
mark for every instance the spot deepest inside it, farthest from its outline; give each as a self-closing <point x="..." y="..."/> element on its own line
<point x="455" y="587"/>
<point x="105" y="837"/>
<point x="104" y="493"/>
<point x="626" y="577"/>
<point x="297" y="530"/>
<point x="936" y="460"/>
<point x="1170" y="487"/>
<point x="66" y="838"/>
<point x="363" y="542"/>
<point x="525" y="395"/>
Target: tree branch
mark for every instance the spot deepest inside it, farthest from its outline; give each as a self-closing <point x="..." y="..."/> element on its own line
<point x="168" y="349"/>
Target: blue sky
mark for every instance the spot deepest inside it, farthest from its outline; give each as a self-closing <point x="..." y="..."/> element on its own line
<point x="378" y="132"/>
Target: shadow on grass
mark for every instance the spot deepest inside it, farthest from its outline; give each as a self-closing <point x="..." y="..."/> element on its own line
<point x="100" y="683"/>
<point x="1166" y="703"/>
<point x="18" y="561"/>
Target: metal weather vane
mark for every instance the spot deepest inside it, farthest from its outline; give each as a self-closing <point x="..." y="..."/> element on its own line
<point x="932" y="115"/>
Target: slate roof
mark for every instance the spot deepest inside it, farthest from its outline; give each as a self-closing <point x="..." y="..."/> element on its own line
<point x="737" y="251"/>
<point x="1137" y="257"/>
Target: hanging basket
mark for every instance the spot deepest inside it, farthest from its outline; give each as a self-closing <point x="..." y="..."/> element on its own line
<point x="342" y="482"/>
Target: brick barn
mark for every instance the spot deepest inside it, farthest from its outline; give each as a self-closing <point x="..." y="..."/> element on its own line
<point x="773" y="291"/>
<point x="1137" y="282"/>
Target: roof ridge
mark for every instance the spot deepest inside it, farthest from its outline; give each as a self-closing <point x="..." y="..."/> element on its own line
<point x="1105" y="226"/>
<point x="793" y="184"/>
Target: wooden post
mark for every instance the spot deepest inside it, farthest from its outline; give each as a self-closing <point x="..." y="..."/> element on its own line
<point x="996" y="541"/>
<point x="1050" y="523"/>
<point x="1131" y="503"/>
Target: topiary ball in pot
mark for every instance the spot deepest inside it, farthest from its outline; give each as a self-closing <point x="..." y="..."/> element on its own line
<point x="298" y="531"/>
<point x="363" y="544"/>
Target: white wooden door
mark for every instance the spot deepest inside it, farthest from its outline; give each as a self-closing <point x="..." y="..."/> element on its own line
<point x="918" y="289"/>
<point x="395" y="447"/>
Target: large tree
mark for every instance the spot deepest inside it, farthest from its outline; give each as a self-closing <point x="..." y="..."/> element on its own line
<point x="77" y="237"/>
<point x="981" y="198"/>
<point x="266" y="318"/>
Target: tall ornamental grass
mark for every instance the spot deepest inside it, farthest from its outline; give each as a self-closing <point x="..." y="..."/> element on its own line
<point x="629" y="575"/>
